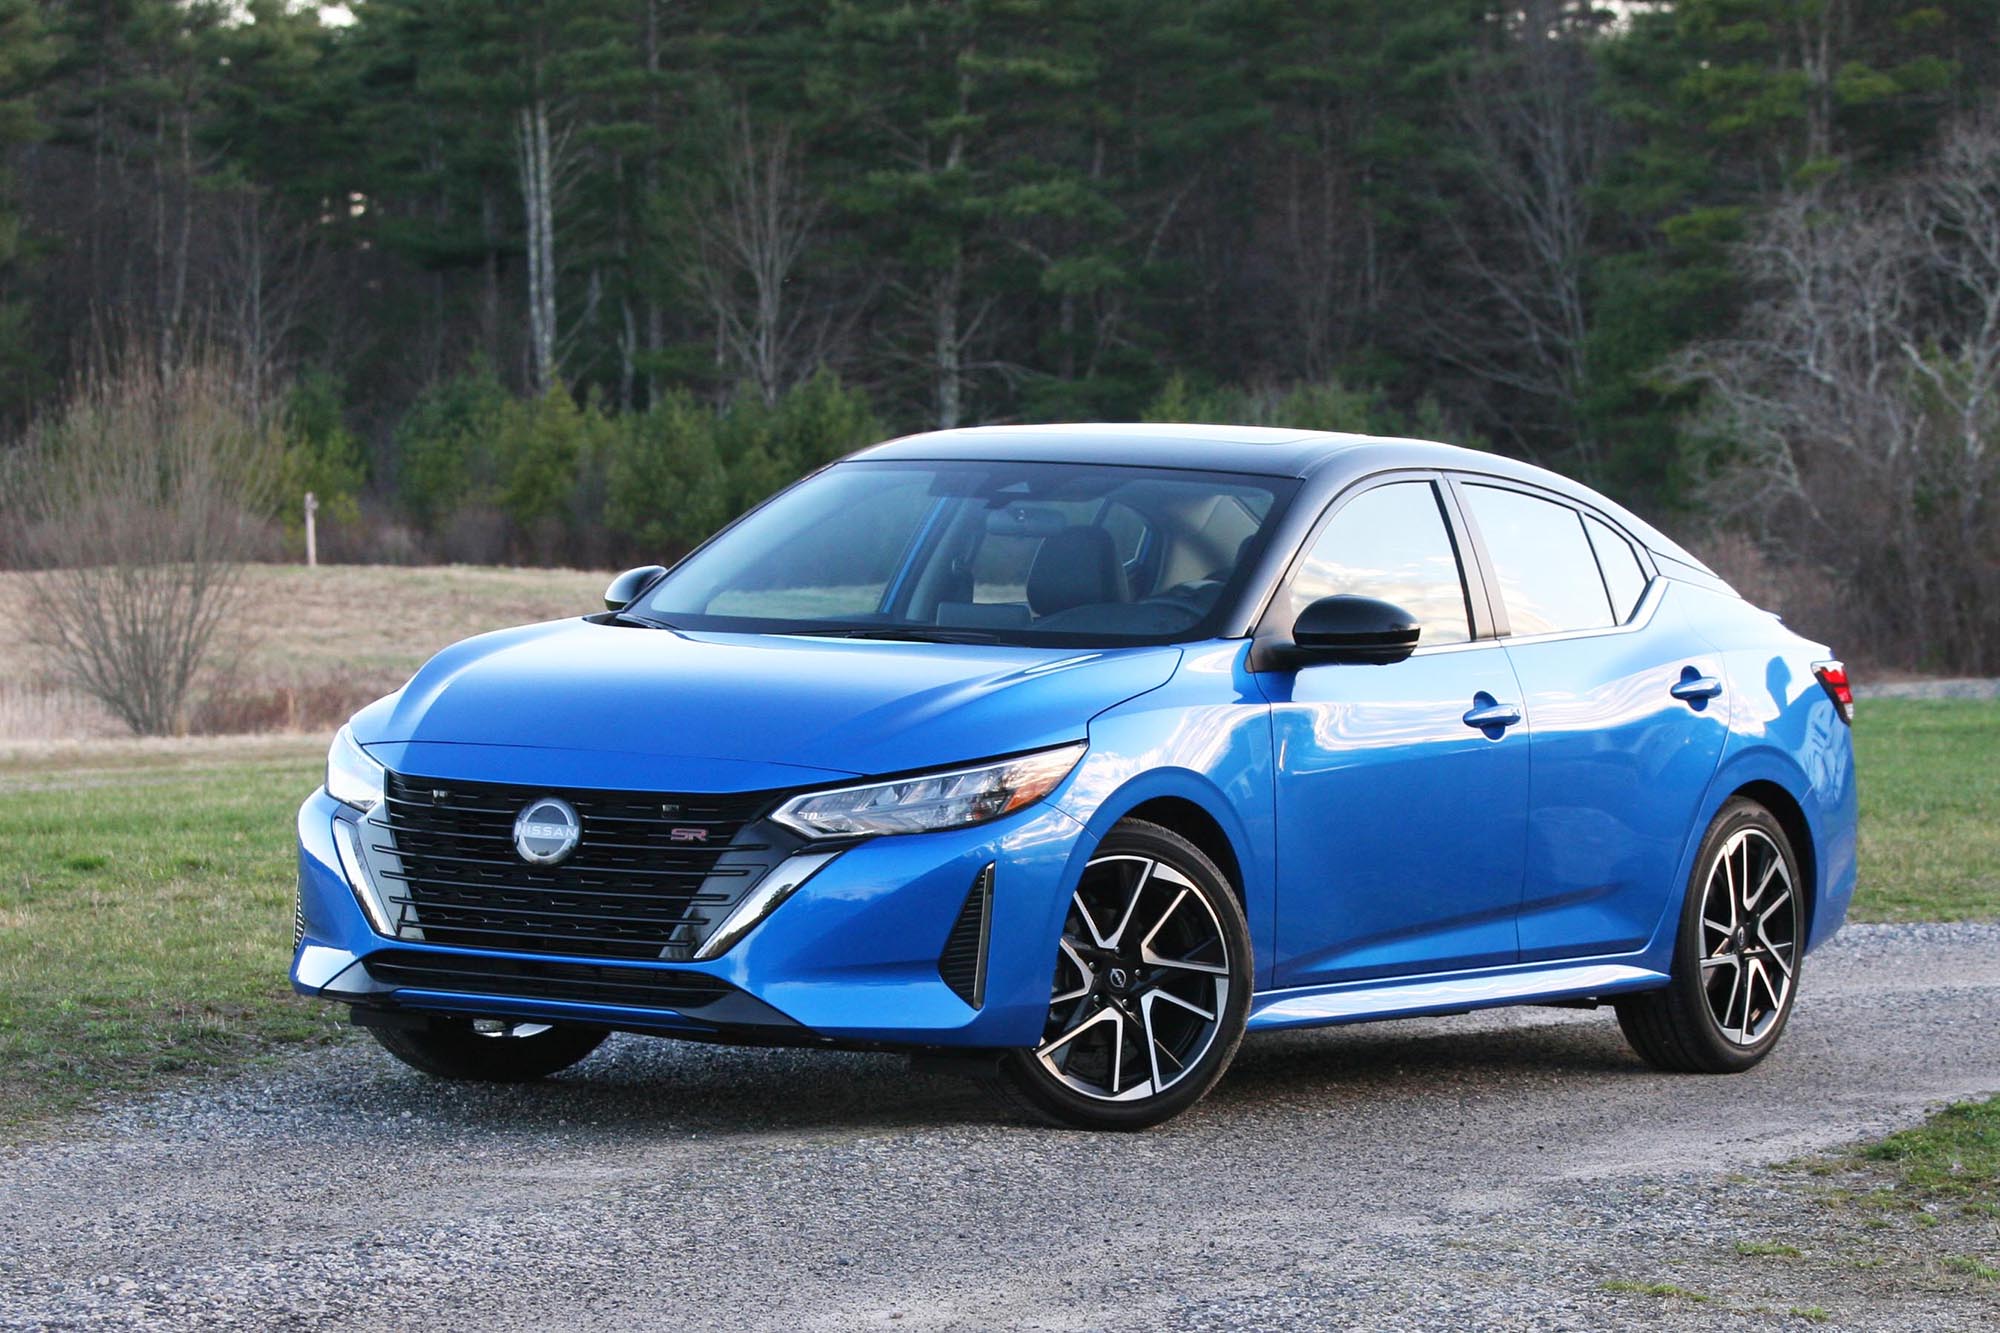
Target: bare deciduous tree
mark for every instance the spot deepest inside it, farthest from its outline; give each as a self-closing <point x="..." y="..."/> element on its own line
<point x="1537" y="143"/>
<point x="135" y="505"/>
<point x="545" y="166"/>
<point x="751" y="229"/>
<point x="1860" y="402"/>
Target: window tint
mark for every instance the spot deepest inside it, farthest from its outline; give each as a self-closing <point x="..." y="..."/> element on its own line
<point x="832" y="569"/>
<point x="1548" y="576"/>
<point x="962" y="546"/>
<point x="1390" y="543"/>
<point x="1624" y="577"/>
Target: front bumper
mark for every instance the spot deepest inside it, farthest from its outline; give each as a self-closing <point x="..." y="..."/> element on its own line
<point x="850" y="958"/>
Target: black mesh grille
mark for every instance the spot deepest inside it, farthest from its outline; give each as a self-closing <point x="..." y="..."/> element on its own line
<point x="963" y="962"/>
<point x="529" y="978"/>
<point x="298" y="921"/>
<point x="645" y="881"/>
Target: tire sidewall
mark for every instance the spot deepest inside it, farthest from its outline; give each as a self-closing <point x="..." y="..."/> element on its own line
<point x="1701" y="1026"/>
<point x="1025" y="1073"/>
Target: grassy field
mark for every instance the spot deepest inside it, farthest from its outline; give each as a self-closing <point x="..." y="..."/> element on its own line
<point x="1930" y="809"/>
<point x="307" y="645"/>
<point x="145" y="888"/>
<point x="145" y="914"/>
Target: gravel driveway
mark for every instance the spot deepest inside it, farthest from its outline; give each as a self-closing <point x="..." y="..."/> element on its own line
<point x="1509" y="1170"/>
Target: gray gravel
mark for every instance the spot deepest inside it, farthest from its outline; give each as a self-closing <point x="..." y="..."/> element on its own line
<point x="1504" y="1170"/>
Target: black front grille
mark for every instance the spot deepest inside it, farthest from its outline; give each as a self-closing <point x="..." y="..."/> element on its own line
<point x="538" y="979"/>
<point x="962" y="964"/>
<point x="651" y="875"/>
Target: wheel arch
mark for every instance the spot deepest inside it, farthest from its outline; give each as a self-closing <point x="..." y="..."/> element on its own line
<point x="1774" y="780"/>
<point x="1791" y="817"/>
<point x="1186" y="802"/>
<point x="1183" y="816"/>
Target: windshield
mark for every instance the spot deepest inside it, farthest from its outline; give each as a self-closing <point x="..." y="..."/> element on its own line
<point x="1005" y="552"/>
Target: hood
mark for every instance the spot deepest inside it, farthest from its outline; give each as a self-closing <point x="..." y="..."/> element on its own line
<point x="699" y="711"/>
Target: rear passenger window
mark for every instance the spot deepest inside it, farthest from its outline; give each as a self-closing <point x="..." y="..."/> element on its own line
<point x="1624" y="577"/>
<point x="1548" y="575"/>
<point x="1390" y="543"/>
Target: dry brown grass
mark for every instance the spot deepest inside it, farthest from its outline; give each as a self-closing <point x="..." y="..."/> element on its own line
<point x="307" y="647"/>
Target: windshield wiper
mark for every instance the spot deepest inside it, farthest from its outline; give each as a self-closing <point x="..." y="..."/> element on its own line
<point x="906" y="633"/>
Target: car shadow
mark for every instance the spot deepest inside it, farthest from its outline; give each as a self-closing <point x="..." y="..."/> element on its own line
<point x="664" y="1087"/>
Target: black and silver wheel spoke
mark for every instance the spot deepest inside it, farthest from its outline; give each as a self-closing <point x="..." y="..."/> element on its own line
<point x="1749" y="936"/>
<point x="1142" y="981"/>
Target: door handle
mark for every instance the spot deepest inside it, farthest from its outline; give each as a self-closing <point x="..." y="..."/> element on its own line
<point x="1695" y="688"/>
<point x="1489" y="715"/>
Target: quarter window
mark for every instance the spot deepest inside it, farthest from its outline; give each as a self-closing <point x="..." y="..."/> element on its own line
<point x="1548" y="575"/>
<point x="1390" y="543"/>
<point x="1624" y="577"/>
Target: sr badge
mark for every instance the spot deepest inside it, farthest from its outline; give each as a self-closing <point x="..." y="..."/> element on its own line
<point x="547" y="831"/>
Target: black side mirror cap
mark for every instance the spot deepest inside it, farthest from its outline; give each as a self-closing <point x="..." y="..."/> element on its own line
<point x="629" y="585"/>
<point x="1342" y="629"/>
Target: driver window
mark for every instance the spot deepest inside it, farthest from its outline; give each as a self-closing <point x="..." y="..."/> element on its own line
<point x="1390" y="543"/>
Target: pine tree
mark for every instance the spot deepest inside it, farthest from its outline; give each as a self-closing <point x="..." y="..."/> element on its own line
<point x="26" y="54"/>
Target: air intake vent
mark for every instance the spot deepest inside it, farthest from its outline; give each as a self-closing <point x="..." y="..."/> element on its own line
<point x="546" y="979"/>
<point x="963" y="962"/>
<point x="298" y="921"/>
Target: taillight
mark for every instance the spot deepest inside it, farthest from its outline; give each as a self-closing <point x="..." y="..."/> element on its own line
<point x="1833" y="679"/>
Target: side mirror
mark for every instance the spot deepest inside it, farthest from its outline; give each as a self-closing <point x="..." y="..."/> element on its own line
<point x="629" y="585"/>
<point x="1353" y="629"/>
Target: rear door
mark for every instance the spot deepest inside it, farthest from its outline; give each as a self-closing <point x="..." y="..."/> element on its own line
<point x="1400" y="825"/>
<point x="1626" y="722"/>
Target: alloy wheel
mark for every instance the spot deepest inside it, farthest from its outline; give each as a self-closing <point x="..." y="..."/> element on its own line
<point x="1141" y="983"/>
<point x="1749" y="936"/>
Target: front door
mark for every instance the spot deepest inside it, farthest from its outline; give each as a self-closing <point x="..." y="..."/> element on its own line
<point x="1400" y="824"/>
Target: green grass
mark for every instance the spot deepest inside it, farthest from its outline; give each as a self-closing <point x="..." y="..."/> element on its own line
<point x="1930" y="809"/>
<point x="1654" y="1289"/>
<point x="1953" y="1158"/>
<point x="1970" y="1267"/>
<point x="1766" y="1249"/>
<point x="145" y="916"/>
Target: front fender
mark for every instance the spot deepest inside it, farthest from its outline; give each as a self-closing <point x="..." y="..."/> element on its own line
<point x="1204" y="737"/>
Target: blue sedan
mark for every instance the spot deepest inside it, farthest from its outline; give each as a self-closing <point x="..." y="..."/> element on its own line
<point x="1074" y="753"/>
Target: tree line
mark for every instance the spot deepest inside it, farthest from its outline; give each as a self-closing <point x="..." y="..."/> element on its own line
<point x="577" y="279"/>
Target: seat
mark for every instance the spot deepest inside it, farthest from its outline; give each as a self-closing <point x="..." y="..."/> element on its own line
<point x="1078" y="566"/>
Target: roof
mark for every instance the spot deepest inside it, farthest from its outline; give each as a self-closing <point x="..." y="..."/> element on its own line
<point x="1264" y="450"/>
<point x="1256" y="450"/>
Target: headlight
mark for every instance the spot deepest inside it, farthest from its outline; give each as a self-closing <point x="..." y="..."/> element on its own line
<point x="352" y="778"/>
<point x="952" y="799"/>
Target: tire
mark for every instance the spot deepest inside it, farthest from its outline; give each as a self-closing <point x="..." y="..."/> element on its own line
<point x="1150" y="988"/>
<point x="453" y="1048"/>
<point x="1737" y="956"/>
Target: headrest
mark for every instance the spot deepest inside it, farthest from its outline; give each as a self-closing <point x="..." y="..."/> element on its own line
<point x="1076" y="567"/>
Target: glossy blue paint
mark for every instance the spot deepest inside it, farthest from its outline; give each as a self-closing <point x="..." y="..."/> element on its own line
<point x="1391" y="857"/>
<point x="1402" y="830"/>
<point x="834" y="705"/>
<point x="1620" y="766"/>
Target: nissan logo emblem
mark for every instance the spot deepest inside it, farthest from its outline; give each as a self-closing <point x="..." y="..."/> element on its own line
<point x="547" y="831"/>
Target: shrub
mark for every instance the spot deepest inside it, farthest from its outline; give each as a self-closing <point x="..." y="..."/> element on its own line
<point x="136" y="503"/>
<point x="445" y="445"/>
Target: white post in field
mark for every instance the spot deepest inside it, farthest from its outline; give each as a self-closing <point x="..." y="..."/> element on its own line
<point x="312" y="533"/>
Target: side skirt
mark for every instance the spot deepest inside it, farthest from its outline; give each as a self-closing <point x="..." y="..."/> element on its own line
<point x="1358" y="1001"/>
